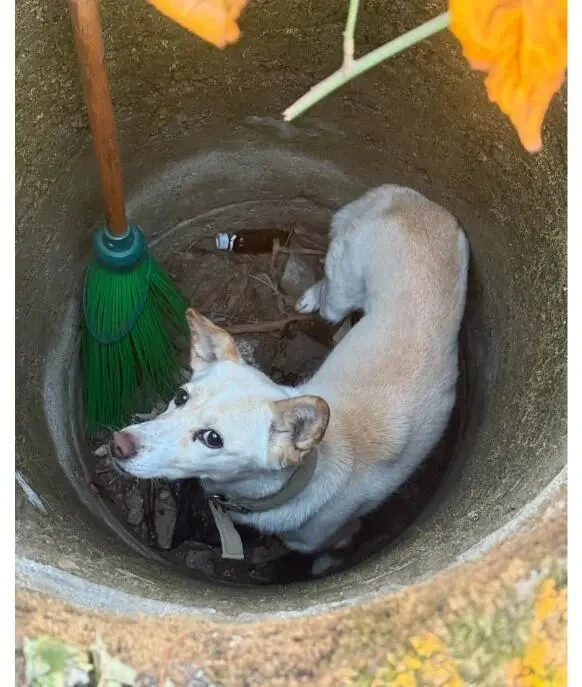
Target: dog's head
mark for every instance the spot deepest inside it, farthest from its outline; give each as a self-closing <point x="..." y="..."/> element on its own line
<point x="229" y="421"/>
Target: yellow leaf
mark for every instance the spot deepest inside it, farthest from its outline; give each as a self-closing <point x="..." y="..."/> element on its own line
<point x="522" y="46"/>
<point x="538" y="656"/>
<point x="427" y="644"/>
<point x="212" y="20"/>
<point x="535" y="681"/>
<point x="405" y="680"/>
<point x="411" y="662"/>
<point x="443" y="675"/>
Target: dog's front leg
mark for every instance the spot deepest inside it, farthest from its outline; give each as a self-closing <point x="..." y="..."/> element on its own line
<point x="343" y="537"/>
<point x="312" y="299"/>
<point x="321" y="533"/>
<point x="330" y="555"/>
<point x="297" y="541"/>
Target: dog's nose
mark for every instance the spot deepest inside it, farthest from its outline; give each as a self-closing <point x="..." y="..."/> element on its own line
<point x="123" y="445"/>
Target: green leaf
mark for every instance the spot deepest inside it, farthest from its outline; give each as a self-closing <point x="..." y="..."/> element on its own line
<point x="110" y="670"/>
<point x="51" y="663"/>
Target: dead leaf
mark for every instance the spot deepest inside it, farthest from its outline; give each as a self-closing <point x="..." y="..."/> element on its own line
<point x="522" y="46"/>
<point x="212" y="20"/>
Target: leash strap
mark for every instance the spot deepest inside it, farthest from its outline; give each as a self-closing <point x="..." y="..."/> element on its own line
<point x="232" y="546"/>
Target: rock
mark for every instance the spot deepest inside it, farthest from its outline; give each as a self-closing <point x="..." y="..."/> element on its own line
<point x="102" y="451"/>
<point x="298" y="276"/>
<point x="200" y="557"/>
<point x="302" y="355"/>
<point x="165" y="521"/>
<point x="135" y="509"/>
<point x="197" y="677"/>
<point x="270" y="550"/>
<point x="68" y="564"/>
<point x="165" y="495"/>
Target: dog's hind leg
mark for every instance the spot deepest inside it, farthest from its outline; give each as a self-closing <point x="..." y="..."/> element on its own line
<point x="341" y="291"/>
<point x="333" y="557"/>
<point x="326" y="563"/>
<point x="311" y="299"/>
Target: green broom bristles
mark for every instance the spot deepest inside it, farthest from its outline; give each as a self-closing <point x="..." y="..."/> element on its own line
<point x="131" y="321"/>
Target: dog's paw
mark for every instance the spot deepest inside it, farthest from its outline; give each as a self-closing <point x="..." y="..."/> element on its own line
<point x="309" y="302"/>
<point x="347" y="533"/>
<point x="325" y="563"/>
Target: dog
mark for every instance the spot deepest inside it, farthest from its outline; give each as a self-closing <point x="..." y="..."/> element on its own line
<point x="307" y="463"/>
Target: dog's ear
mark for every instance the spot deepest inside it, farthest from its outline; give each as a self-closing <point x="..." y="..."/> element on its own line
<point x="297" y="426"/>
<point x="209" y="343"/>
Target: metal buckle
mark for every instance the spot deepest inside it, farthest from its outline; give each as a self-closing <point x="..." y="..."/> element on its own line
<point x="224" y="503"/>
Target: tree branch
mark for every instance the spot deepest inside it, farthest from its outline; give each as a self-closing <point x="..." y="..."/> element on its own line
<point x="349" y="31"/>
<point x="352" y="68"/>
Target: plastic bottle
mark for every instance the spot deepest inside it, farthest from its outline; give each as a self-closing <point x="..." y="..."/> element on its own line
<point x="251" y="240"/>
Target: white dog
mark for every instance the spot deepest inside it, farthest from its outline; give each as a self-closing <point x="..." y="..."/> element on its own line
<point x="306" y="463"/>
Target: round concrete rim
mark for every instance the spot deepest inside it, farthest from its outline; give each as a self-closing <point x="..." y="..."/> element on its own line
<point x="78" y="592"/>
<point x="481" y="154"/>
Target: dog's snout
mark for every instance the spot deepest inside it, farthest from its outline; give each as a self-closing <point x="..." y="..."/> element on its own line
<point x="123" y="445"/>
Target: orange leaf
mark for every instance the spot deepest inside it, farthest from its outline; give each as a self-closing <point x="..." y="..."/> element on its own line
<point x="522" y="46"/>
<point x="212" y="20"/>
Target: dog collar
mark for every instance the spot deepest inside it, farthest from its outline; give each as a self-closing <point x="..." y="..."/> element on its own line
<point x="220" y="506"/>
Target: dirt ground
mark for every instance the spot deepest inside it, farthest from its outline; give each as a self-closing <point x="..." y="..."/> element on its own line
<point x="253" y="296"/>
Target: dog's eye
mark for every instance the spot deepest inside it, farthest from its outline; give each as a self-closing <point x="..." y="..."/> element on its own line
<point x="209" y="438"/>
<point x="181" y="397"/>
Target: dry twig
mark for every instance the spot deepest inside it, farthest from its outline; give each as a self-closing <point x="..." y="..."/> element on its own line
<point x="267" y="326"/>
<point x="301" y="251"/>
<point x="264" y="279"/>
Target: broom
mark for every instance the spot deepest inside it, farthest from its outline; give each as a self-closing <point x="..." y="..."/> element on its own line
<point x="132" y="312"/>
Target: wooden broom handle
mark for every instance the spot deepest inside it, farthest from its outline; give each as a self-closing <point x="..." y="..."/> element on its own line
<point x="89" y="41"/>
